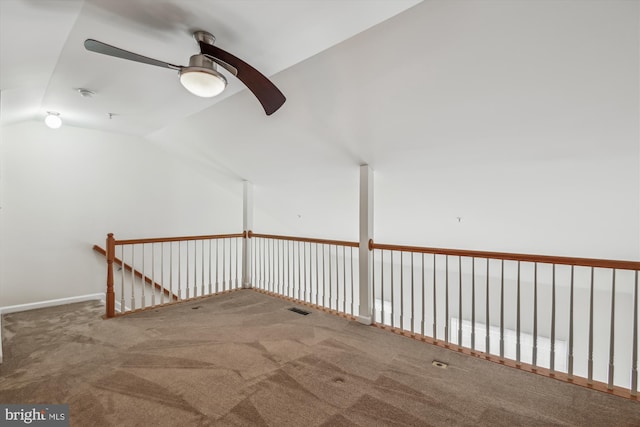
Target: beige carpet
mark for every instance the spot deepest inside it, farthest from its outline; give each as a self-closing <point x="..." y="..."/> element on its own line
<point x="244" y="359"/>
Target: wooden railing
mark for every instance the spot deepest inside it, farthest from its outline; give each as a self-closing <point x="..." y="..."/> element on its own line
<point x="574" y="319"/>
<point x="180" y="268"/>
<point x="318" y="272"/>
<point x="571" y="318"/>
<point x="138" y="274"/>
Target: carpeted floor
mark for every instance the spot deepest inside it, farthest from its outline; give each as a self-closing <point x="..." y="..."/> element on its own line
<point x="244" y="359"/>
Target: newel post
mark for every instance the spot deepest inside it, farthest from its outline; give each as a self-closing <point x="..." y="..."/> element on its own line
<point x="111" y="296"/>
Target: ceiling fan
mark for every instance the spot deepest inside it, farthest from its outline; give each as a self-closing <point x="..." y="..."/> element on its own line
<point x="201" y="77"/>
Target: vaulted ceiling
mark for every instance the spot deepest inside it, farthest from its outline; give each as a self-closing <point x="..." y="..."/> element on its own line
<point x="43" y="61"/>
<point x="516" y="116"/>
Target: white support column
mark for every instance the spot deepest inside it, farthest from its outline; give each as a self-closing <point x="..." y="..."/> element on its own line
<point x="366" y="233"/>
<point x="247" y="225"/>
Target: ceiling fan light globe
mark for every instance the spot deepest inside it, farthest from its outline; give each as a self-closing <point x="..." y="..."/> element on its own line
<point x="202" y="82"/>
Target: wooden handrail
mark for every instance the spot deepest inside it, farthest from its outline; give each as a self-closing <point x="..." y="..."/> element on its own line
<point x="305" y="239"/>
<point x="546" y="259"/>
<point x="177" y="239"/>
<point x="138" y="274"/>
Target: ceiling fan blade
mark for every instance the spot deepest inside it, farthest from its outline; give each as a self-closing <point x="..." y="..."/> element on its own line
<point x="105" y="49"/>
<point x="267" y="93"/>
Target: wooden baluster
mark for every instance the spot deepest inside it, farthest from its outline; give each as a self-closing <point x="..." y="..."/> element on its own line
<point x="501" y="309"/>
<point x="337" y="281"/>
<point x="373" y="286"/>
<point x="162" y="273"/>
<point x="289" y="285"/>
<point x="590" y="353"/>
<point x="275" y="264"/>
<point x="122" y="287"/>
<point x="330" y="286"/>
<point x="353" y="283"/>
<point x="613" y="329"/>
<point x="473" y="303"/>
<point x="534" y="349"/>
<point x="224" y="265"/>
<point x="171" y="269"/>
<point x="153" y="274"/>
<point x="634" y="345"/>
<point x="324" y="278"/>
<point x="143" y="283"/>
<point x="281" y="266"/>
<point x="253" y="276"/>
<point x="401" y="291"/>
<point x="570" y="370"/>
<point x="487" y="338"/>
<point x="194" y="282"/>
<point x="446" y="300"/>
<point x="413" y="299"/>
<point x="180" y="269"/>
<point x="435" y="305"/>
<point x="271" y="264"/>
<point x="317" y="279"/>
<point x="393" y="306"/>
<point x="344" y="281"/>
<point x="202" y="290"/>
<point x="518" y="343"/>
<point x="260" y="271"/>
<point x="460" y="301"/>
<point x="299" y="287"/>
<point x="552" y="352"/>
<point x="382" y="312"/>
<point x="424" y="299"/>
<point x="133" y="277"/>
<point x="310" y="263"/>
<point x="210" y="283"/>
<point x="237" y="248"/>
<point x="230" y="265"/>
<point x="187" y="270"/>
<point x="217" y="268"/>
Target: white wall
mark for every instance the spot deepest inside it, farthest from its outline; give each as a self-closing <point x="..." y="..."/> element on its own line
<point x="63" y="190"/>
<point x="528" y="127"/>
<point x="575" y="207"/>
<point x="520" y="117"/>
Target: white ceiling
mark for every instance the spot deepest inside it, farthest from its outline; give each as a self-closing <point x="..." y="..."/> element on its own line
<point x="503" y="113"/>
<point x="43" y="59"/>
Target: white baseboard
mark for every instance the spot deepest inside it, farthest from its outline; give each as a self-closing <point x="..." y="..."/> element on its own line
<point x="51" y="303"/>
<point x="43" y="304"/>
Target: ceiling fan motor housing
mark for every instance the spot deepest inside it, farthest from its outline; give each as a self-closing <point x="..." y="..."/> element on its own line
<point x="201" y="61"/>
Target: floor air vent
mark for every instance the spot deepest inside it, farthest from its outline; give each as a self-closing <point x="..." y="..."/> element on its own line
<point x="299" y="311"/>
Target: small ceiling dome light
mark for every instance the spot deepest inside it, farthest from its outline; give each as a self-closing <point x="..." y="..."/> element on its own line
<point x="85" y="93"/>
<point x="201" y="78"/>
<point x="53" y="120"/>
